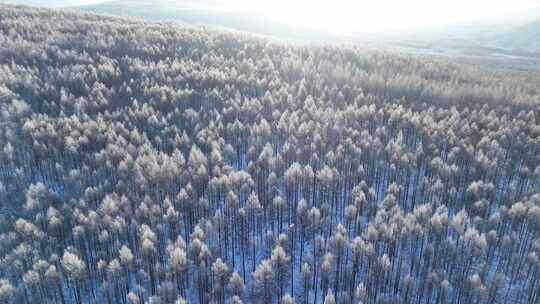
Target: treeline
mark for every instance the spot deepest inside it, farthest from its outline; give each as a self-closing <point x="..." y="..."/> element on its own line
<point x="149" y="163"/>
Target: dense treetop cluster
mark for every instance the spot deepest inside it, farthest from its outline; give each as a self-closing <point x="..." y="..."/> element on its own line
<point x="150" y="163"/>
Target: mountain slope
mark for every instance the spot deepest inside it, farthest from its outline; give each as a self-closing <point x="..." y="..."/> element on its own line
<point x="208" y="13"/>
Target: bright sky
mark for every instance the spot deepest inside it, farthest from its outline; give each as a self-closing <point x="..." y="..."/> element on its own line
<point x="353" y="15"/>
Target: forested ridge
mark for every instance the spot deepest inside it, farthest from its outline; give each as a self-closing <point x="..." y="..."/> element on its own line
<point x="151" y="163"/>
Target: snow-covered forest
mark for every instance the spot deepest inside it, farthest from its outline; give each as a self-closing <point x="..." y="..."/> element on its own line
<point x="150" y="163"/>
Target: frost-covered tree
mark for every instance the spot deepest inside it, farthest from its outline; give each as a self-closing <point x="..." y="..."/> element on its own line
<point x="75" y="270"/>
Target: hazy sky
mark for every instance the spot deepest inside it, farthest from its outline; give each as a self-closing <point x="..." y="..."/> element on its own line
<point x="355" y="15"/>
<point x="380" y="15"/>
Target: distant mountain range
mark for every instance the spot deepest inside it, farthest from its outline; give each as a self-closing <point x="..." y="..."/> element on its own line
<point x="524" y="38"/>
<point x="518" y="32"/>
<point x="512" y="40"/>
